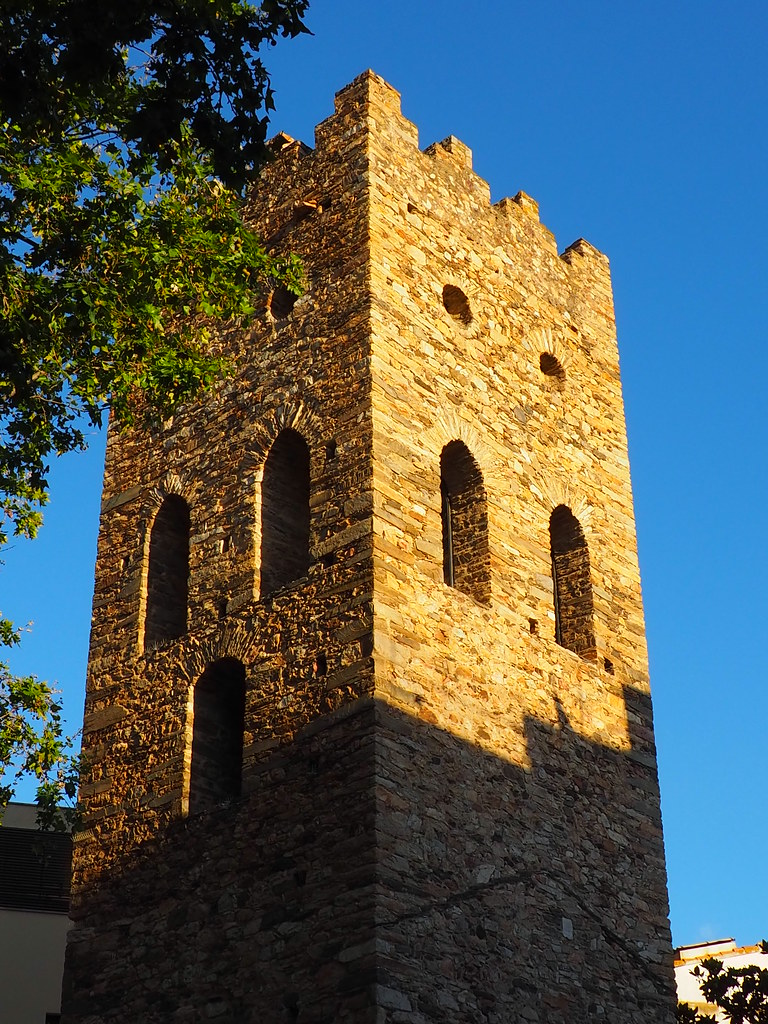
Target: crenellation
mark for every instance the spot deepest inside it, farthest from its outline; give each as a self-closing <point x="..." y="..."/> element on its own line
<point x="453" y="148"/>
<point x="526" y="203"/>
<point x="581" y="247"/>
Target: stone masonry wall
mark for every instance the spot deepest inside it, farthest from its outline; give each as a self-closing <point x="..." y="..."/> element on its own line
<point x="443" y="815"/>
<point x="264" y="900"/>
<point x="521" y="860"/>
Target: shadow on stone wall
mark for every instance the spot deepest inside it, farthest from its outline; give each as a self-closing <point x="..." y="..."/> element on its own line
<point x="525" y="895"/>
<point x="497" y="893"/>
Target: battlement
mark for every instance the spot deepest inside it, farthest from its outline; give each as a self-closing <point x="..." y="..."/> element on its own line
<point x="369" y="110"/>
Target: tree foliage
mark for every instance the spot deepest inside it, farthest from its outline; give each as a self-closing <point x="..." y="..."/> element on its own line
<point x="127" y="136"/>
<point x="145" y="71"/>
<point x="32" y="743"/>
<point x="740" y="992"/>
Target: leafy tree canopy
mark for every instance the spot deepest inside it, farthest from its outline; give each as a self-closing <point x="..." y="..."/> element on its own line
<point x="128" y="132"/>
<point x="145" y="70"/>
<point x="32" y="742"/>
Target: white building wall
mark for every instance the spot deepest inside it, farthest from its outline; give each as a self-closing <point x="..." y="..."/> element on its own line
<point x="689" y="957"/>
<point x="31" y="965"/>
<point x="31" y="949"/>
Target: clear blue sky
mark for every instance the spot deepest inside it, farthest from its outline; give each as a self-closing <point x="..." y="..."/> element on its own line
<point x="640" y="127"/>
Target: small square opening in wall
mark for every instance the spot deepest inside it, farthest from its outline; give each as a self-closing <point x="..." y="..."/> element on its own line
<point x="533" y="626"/>
<point x="331" y="450"/>
<point x="303" y="210"/>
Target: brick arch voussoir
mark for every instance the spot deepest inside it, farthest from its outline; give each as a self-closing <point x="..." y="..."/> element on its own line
<point x="450" y="427"/>
<point x="298" y="416"/>
<point x="173" y="483"/>
<point x="545" y="339"/>
<point x="233" y="640"/>
<point x="551" y="493"/>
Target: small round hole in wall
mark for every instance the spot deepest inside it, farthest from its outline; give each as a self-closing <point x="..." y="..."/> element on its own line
<point x="281" y="302"/>
<point x="551" y="366"/>
<point x="457" y="304"/>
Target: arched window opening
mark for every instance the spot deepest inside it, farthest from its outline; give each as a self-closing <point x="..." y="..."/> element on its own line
<point x="168" y="573"/>
<point x="285" y="513"/>
<point x="466" y="561"/>
<point x="574" y="613"/>
<point x="217" y="735"/>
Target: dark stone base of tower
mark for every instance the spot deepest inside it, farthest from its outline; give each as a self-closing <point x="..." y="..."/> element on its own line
<point x="368" y="728"/>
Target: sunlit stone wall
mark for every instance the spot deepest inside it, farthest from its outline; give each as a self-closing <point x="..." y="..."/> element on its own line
<point x="443" y="814"/>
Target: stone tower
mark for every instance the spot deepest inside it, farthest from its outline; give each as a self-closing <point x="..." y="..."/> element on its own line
<point x="368" y="728"/>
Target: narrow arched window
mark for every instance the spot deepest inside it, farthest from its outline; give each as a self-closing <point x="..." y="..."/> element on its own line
<point x="285" y="513"/>
<point x="466" y="563"/>
<point x="168" y="573"/>
<point x="572" y="582"/>
<point x="217" y="735"/>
